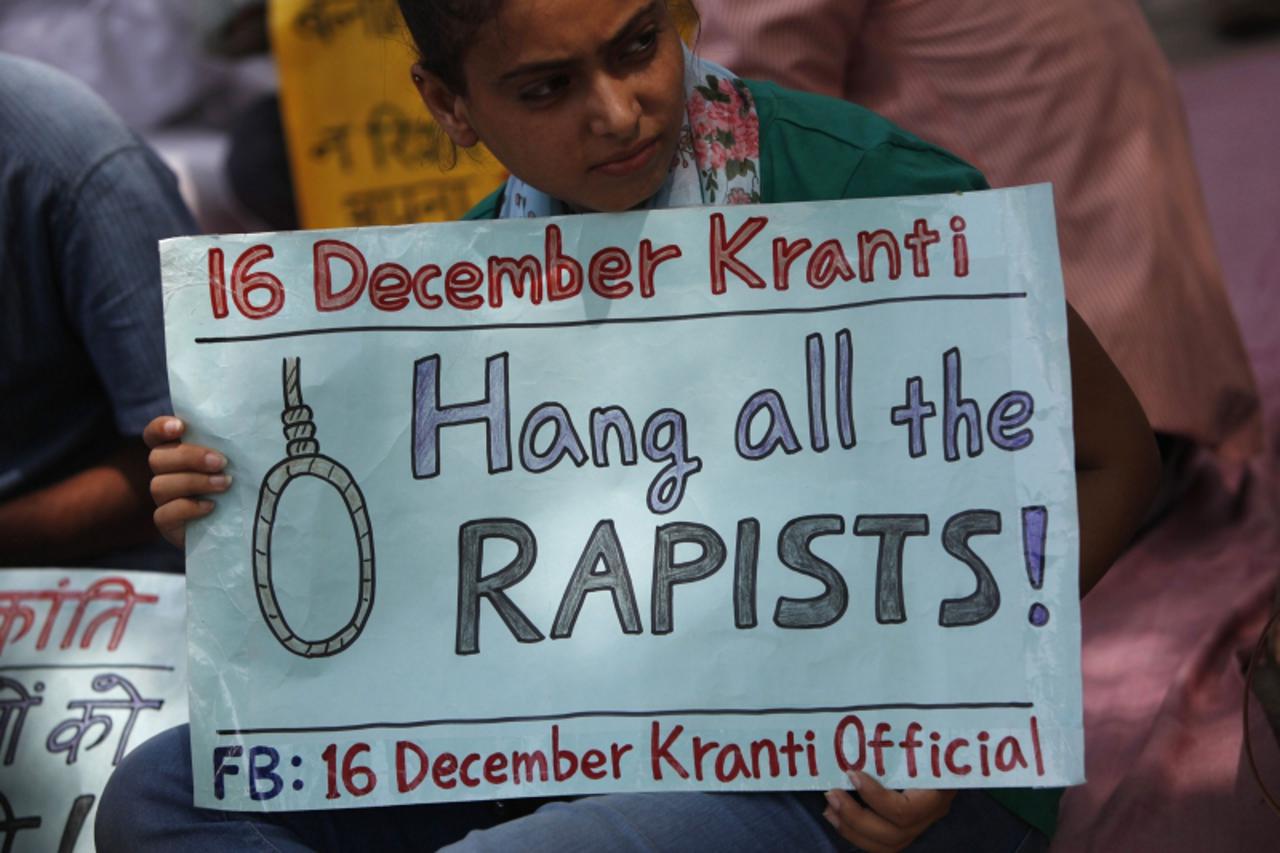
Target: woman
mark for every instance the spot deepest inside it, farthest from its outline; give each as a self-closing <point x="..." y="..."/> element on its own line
<point x="596" y="106"/>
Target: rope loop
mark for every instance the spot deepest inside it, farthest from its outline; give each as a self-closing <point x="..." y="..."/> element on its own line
<point x="305" y="460"/>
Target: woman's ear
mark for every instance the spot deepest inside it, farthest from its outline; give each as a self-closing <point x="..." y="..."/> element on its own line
<point x="447" y="108"/>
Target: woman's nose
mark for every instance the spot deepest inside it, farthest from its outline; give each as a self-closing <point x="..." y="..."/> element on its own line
<point x="615" y="109"/>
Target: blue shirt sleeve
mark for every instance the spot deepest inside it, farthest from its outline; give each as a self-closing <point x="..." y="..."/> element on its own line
<point x="110" y="278"/>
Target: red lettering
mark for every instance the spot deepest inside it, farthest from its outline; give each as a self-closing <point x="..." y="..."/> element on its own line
<point x="330" y="757"/>
<point x="218" y="283"/>
<point x="394" y="296"/>
<point x="759" y="746"/>
<point x="460" y="284"/>
<point x="1007" y="760"/>
<point x="610" y="264"/>
<point x="983" y="759"/>
<point x="790" y="749"/>
<point x="811" y="754"/>
<point x="828" y="263"/>
<point x="593" y="762"/>
<point x="879" y="743"/>
<point x="960" y="247"/>
<point x="1035" y="747"/>
<point x="524" y="270"/>
<point x="465" y="772"/>
<point x="784" y="255"/>
<point x="919" y="241"/>
<point x="948" y="758"/>
<point x="326" y="298"/>
<point x="870" y="242"/>
<point x="731" y="756"/>
<point x="352" y="772"/>
<point x="616" y="751"/>
<point x="841" y="759"/>
<point x="444" y="768"/>
<point x="558" y="266"/>
<point x="494" y="768"/>
<point x="649" y="260"/>
<point x="909" y="745"/>
<point x="420" y="280"/>
<point x="700" y="750"/>
<point x="244" y="282"/>
<point x="557" y="755"/>
<point x="529" y="760"/>
<point x="403" y="783"/>
<point x="662" y="752"/>
<point x="723" y="251"/>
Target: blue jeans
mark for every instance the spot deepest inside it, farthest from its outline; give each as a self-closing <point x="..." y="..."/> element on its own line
<point x="147" y="807"/>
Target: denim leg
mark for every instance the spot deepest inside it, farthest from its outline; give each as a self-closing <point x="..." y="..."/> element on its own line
<point x="735" y="823"/>
<point x="660" y="823"/>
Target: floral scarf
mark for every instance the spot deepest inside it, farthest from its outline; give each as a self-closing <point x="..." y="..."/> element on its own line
<point x="717" y="159"/>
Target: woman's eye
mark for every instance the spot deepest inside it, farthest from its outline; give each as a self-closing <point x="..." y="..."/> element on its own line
<point x="544" y="90"/>
<point x="641" y="44"/>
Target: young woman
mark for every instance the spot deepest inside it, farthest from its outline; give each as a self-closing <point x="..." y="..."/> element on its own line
<point x="595" y="105"/>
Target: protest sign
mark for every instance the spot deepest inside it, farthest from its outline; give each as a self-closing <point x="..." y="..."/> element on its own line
<point x="714" y="498"/>
<point x="363" y="150"/>
<point x="91" y="665"/>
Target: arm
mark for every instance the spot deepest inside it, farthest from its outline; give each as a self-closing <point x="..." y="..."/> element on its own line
<point x="100" y="508"/>
<point x="109" y="280"/>
<point x="1117" y="464"/>
<point x="104" y="252"/>
<point x="802" y="44"/>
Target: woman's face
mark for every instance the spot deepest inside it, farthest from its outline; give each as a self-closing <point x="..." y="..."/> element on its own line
<point x="582" y="99"/>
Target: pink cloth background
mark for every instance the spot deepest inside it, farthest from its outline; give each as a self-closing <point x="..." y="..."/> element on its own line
<point x="1167" y="631"/>
<point x="1075" y="92"/>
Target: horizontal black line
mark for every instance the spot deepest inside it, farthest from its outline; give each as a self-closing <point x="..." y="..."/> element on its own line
<point x="89" y="666"/>
<point x="573" y="715"/>
<point x="671" y="318"/>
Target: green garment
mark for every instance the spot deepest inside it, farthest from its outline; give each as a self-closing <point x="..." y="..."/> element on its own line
<point x="814" y="148"/>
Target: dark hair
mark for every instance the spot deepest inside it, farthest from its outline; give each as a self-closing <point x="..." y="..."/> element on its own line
<point x="444" y="30"/>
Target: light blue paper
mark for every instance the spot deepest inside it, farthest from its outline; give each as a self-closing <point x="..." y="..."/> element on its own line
<point x="91" y="666"/>
<point x="333" y="640"/>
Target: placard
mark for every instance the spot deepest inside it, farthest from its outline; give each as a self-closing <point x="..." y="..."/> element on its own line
<point x="92" y="663"/>
<point x="715" y="498"/>
<point x="363" y="150"/>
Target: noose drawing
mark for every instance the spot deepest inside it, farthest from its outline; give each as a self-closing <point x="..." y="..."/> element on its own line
<point x="305" y="460"/>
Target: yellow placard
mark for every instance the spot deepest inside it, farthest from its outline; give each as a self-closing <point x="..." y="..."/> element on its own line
<point x="363" y="149"/>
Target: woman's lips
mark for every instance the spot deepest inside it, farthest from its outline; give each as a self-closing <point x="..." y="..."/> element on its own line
<point x="628" y="162"/>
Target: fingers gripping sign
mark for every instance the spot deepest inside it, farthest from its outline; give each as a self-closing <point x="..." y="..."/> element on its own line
<point x="885" y="821"/>
<point x="182" y="476"/>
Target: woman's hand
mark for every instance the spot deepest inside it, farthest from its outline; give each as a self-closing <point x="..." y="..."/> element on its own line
<point x="181" y="475"/>
<point x="890" y="820"/>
